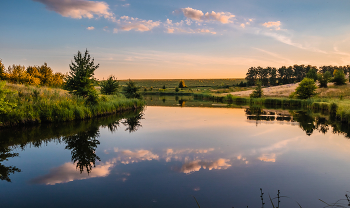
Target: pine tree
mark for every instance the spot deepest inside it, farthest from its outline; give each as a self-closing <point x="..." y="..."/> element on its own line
<point x="109" y="86"/>
<point x="257" y="93"/>
<point x="80" y="79"/>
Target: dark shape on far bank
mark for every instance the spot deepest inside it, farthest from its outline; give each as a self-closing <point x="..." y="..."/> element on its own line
<point x="182" y="84"/>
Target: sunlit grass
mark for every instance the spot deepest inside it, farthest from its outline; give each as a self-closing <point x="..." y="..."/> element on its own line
<point x="43" y="104"/>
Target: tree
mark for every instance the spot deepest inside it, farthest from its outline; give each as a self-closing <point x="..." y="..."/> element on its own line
<point x="306" y="88"/>
<point x="324" y="78"/>
<point x="109" y="86"/>
<point x="2" y="70"/>
<point x="251" y="76"/>
<point x="182" y="84"/>
<point x="339" y="77"/>
<point x="80" y="79"/>
<point x="257" y="93"/>
<point x="45" y="74"/>
<point x="273" y="76"/>
<point x="131" y="89"/>
<point x="312" y="74"/>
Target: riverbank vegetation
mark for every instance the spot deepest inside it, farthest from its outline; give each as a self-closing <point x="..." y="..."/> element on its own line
<point x="23" y="102"/>
<point x="31" y="104"/>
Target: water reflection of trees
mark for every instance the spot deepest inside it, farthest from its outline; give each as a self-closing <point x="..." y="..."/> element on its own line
<point x="83" y="148"/>
<point x="133" y="123"/>
<point x="5" y="171"/>
<point x="308" y="121"/>
<point x="80" y="137"/>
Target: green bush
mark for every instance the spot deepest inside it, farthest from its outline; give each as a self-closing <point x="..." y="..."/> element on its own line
<point x="131" y="89"/>
<point x="306" y="88"/>
<point x="109" y="86"/>
<point x="177" y="89"/>
<point x="339" y="77"/>
<point x="323" y="79"/>
<point x="182" y="84"/>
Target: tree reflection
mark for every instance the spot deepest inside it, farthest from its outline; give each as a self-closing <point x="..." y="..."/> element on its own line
<point x="83" y="147"/>
<point x="133" y="123"/>
<point x="306" y="121"/>
<point x="113" y="126"/>
<point x="182" y="102"/>
<point x="5" y="171"/>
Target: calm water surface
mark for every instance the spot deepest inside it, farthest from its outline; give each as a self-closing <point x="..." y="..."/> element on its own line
<point x="169" y="154"/>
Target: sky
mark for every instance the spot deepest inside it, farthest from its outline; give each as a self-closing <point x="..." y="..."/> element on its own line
<point x="182" y="39"/>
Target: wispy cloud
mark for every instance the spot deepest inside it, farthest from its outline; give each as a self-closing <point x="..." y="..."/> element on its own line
<point x="130" y="23"/>
<point x="79" y="8"/>
<point x="275" y="25"/>
<point x="181" y="27"/>
<point x="287" y="40"/>
<point x="198" y="15"/>
<point x="90" y="28"/>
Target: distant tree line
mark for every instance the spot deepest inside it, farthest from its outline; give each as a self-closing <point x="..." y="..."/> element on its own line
<point x="33" y="75"/>
<point x="270" y="76"/>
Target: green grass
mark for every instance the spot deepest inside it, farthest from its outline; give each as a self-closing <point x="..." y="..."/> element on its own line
<point x="191" y="83"/>
<point x="42" y="104"/>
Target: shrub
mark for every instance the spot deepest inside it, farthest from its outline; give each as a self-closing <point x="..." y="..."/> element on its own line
<point x="257" y="93"/>
<point x="312" y="74"/>
<point x="177" y="89"/>
<point x="164" y="87"/>
<point x="182" y="84"/>
<point x="306" y="88"/>
<point x="131" y="89"/>
<point x="339" y="77"/>
<point x="324" y="79"/>
<point x="4" y="105"/>
<point x="109" y="86"/>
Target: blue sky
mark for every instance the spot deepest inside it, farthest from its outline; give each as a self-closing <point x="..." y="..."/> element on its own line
<point x="175" y="39"/>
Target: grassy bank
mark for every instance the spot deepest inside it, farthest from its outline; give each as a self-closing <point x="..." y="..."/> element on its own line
<point x="42" y="104"/>
<point x="340" y="108"/>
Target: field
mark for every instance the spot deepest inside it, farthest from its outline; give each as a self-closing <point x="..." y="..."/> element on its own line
<point x="191" y="83"/>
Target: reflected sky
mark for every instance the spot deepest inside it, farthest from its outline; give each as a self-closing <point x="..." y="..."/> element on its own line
<point x="215" y="154"/>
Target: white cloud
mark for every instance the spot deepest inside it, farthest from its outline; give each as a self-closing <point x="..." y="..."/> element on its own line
<point x="170" y="30"/>
<point x="179" y="27"/>
<point x="90" y="28"/>
<point x="242" y="25"/>
<point x="128" y="156"/>
<point x="125" y="5"/>
<point x="198" y="15"/>
<point x="68" y="172"/>
<point x="79" y="8"/>
<point x="130" y="23"/>
<point x="275" y="25"/>
<point x="194" y="166"/>
<point x="192" y="13"/>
